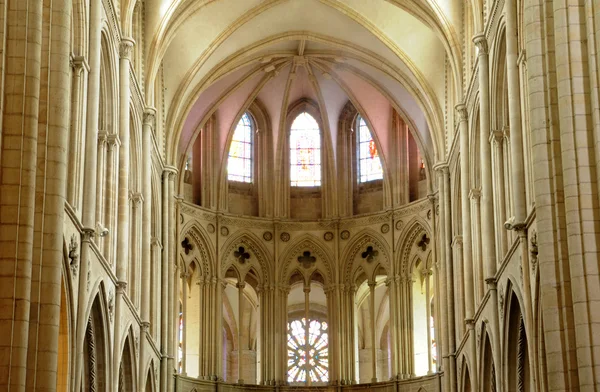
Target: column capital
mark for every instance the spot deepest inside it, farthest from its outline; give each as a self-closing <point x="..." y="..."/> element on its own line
<point x="78" y="64"/>
<point x="155" y="241"/>
<point x="241" y="285"/>
<point x="480" y="40"/>
<point x="496" y="136"/>
<point x="113" y="140"/>
<point x="87" y="233"/>
<point x="149" y="117"/>
<point x="121" y="287"/>
<point x="102" y="136"/>
<point x="126" y="47"/>
<point x="433" y="198"/>
<point x="475" y="194"/>
<point x="522" y="58"/>
<point x="136" y="197"/>
<point x="169" y="171"/>
<point x="457" y="241"/>
<point x="461" y="110"/>
<point x="442" y="167"/>
<point x="491" y="282"/>
<point x="372" y="285"/>
<point x="145" y="326"/>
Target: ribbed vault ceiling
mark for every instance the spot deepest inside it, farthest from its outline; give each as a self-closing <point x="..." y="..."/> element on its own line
<point x="219" y="55"/>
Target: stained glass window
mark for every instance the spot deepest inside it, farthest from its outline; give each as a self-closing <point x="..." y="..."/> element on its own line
<point x="305" y="151"/>
<point x="308" y="359"/>
<point x="369" y="163"/>
<point x="239" y="164"/>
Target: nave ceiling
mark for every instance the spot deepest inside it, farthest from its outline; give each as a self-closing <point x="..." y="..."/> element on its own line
<point x="217" y="56"/>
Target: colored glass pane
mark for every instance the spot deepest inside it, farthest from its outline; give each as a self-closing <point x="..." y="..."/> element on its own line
<point x="369" y="162"/>
<point x="239" y="164"/>
<point x="305" y="151"/>
<point x="308" y="359"/>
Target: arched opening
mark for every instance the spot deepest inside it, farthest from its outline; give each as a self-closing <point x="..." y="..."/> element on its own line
<point x="240" y="327"/>
<point x="372" y="322"/>
<point x="488" y="369"/>
<point x="517" y="353"/>
<point x="126" y="368"/>
<point x="307" y="330"/>
<point x="94" y="351"/>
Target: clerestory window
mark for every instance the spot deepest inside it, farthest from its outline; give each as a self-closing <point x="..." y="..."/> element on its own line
<point x="305" y="151"/>
<point x="369" y="163"/>
<point x="239" y="164"/>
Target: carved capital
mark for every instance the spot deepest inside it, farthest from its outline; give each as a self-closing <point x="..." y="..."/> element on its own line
<point x="125" y="48"/>
<point x="496" y="137"/>
<point x="78" y="64"/>
<point x="87" y="233"/>
<point x="475" y="194"/>
<point x="169" y="172"/>
<point x="461" y="110"/>
<point x="481" y="42"/>
<point x="149" y="118"/>
<point x="137" y="198"/>
<point x="121" y="287"/>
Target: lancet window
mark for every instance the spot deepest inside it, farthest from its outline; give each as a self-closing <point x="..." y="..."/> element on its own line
<point x="305" y="151"/>
<point x="369" y="163"/>
<point x="239" y="164"/>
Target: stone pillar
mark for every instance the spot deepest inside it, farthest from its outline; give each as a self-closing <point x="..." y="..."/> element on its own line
<point x="428" y="274"/>
<point x="373" y="343"/>
<point x="80" y="69"/>
<point x="172" y="298"/>
<point x="164" y="279"/>
<point x="393" y="328"/>
<point x="147" y="130"/>
<point x="122" y="234"/>
<point x="488" y="245"/>
<point x="514" y="113"/>
<point x="497" y="139"/>
<point x="101" y="154"/>
<point x="184" y="293"/>
<point x="465" y="180"/>
<point x="134" y="274"/>
<point x="475" y="196"/>
<point x="110" y="195"/>
<point x="240" y="287"/>
<point x="201" y="330"/>
<point x="306" y="334"/>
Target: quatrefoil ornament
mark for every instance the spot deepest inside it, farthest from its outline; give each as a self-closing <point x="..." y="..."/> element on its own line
<point x="423" y="242"/>
<point x="187" y="245"/>
<point x="369" y="254"/>
<point x="241" y="255"/>
<point x="307" y="260"/>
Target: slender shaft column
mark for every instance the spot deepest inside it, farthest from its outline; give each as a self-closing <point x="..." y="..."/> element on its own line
<point x="80" y="71"/>
<point x="164" y="314"/>
<point x="240" y="287"/>
<point x="373" y="345"/>
<point x="306" y="333"/>
<point x="147" y="130"/>
<point x="89" y="177"/>
<point x="122" y="232"/>
<point x="101" y="182"/>
<point x="475" y="196"/>
<point x="497" y="139"/>
<point x="492" y="287"/>
<point x="488" y="245"/>
<point x="391" y="287"/>
<point x="201" y="330"/>
<point x="514" y="114"/>
<point x="465" y="187"/>
<point x="111" y="191"/>
<point x="173" y="298"/>
<point x="134" y="277"/>
<point x="451" y="342"/>
<point x="428" y="315"/>
<point x="184" y="294"/>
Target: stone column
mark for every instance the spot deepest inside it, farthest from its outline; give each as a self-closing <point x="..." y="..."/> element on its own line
<point x="465" y="186"/>
<point x="165" y="279"/>
<point x="100" y="182"/>
<point x="240" y="287"/>
<point x="428" y="274"/>
<point x="147" y="130"/>
<point x="497" y="139"/>
<point x="171" y="251"/>
<point x="110" y="195"/>
<point x="475" y="196"/>
<point x="488" y="245"/>
<point x="306" y="334"/>
<point x="201" y="330"/>
<point x="514" y="113"/>
<point x="134" y="276"/>
<point x="122" y="235"/>
<point x="184" y="286"/>
<point x="80" y="71"/>
<point x="393" y="328"/>
<point x="373" y="343"/>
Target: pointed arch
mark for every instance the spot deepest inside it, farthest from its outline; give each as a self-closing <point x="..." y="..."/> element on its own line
<point x="407" y="242"/>
<point x="259" y="257"/>
<point x="351" y="256"/>
<point x="127" y="367"/>
<point x="204" y="251"/>
<point x="307" y="242"/>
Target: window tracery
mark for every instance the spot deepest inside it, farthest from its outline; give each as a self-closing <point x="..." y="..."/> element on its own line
<point x="308" y="359"/>
<point x="369" y="163"/>
<point x="239" y="164"/>
<point x="305" y="151"/>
